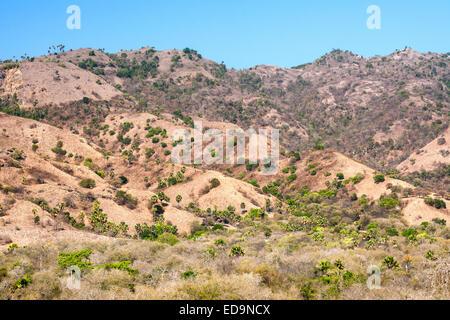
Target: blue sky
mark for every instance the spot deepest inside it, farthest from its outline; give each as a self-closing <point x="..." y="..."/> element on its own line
<point x="242" y="33"/>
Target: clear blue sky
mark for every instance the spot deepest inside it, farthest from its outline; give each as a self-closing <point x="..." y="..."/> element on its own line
<point x="242" y="33"/>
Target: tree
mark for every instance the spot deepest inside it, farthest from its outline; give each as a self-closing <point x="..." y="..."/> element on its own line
<point x="178" y="199"/>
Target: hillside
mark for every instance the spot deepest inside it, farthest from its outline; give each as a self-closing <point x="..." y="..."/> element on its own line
<point x="86" y="171"/>
<point x="379" y="110"/>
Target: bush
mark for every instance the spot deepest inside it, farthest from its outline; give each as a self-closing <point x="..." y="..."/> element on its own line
<point x="22" y="282"/>
<point x="291" y="177"/>
<point x="101" y="174"/>
<point x="307" y="291"/>
<point x="409" y="232"/>
<point x="392" y="232"/>
<point x="391" y="263"/>
<point x="168" y="238"/>
<point x="220" y="242"/>
<point x="123" y="266"/>
<point x="149" y="152"/>
<point x="217" y="226"/>
<point x="379" y="178"/>
<point x="340" y="176"/>
<point x="124" y="198"/>
<point x="441" y="222"/>
<point x="237" y="251"/>
<point x="212" y="252"/>
<point x="254" y="183"/>
<point x="430" y="255"/>
<point x="17" y="154"/>
<point x="79" y="259"/>
<point x="388" y="203"/>
<point x="123" y="179"/>
<point x="189" y="274"/>
<point x="214" y="183"/>
<point x="87" y="183"/>
<point x="437" y="203"/>
<point x="153" y="232"/>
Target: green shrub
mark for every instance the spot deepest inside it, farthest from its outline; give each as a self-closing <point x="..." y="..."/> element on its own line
<point x="58" y="149"/>
<point x="254" y="183"/>
<point x="307" y="291"/>
<point x="214" y="183"/>
<point x="123" y="266"/>
<point x="123" y="179"/>
<point x="87" y="183"/>
<point x="212" y="252"/>
<point x="220" y="242"/>
<point x="410" y="234"/>
<point x="90" y="164"/>
<point x="430" y="255"/>
<point x="217" y="226"/>
<point x="149" y="152"/>
<point x="124" y="198"/>
<point x="391" y="263"/>
<point x="378" y="178"/>
<point x="13" y="246"/>
<point x="17" y="154"/>
<point x="79" y="259"/>
<point x="22" y="282"/>
<point x="441" y="222"/>
<point x="101" y="174"/>
<point x="392" y="232"/>
<point x="189" y="274"/>
<point x="153" y="232"/>
<point x="168" y="238"/>
<point x="388" y="203"/>
<point x="236" y="251"/>
<point x="437" y="203"/>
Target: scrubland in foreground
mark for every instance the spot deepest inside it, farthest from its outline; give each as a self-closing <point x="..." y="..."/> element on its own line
<point x="259" y="261"/>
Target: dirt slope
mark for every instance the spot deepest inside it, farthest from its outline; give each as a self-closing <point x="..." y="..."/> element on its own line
<point x="427" y="158"/>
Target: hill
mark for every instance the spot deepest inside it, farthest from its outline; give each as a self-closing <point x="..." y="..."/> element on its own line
<point x="87" y="177"/>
